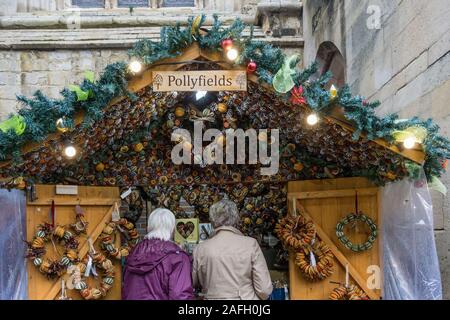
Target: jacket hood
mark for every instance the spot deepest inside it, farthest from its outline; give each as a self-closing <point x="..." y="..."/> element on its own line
<point x="148" y="254"/>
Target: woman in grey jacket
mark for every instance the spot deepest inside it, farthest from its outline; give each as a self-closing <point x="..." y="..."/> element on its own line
<point x="230" y="265"/>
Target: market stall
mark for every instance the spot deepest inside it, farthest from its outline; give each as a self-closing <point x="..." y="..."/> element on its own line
<point x="116" y="130"/>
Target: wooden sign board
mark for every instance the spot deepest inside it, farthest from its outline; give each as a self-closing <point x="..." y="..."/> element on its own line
<point x="214" y="80"/>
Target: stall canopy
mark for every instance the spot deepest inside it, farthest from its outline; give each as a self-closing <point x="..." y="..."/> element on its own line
<point x="120" y="127"/>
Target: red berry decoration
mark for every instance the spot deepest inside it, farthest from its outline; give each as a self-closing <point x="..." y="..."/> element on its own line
<point x="251" y="67"/>
<point x="227" y="44"/>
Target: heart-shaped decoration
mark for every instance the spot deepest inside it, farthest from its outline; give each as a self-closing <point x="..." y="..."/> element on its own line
<point x="185" y="229"/>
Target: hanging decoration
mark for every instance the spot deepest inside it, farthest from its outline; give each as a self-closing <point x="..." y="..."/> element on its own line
<point x="351" y="292"/>
<point x="283" y="81"/>
<point x="125" y="228"/>
<point x="102" y="264"/>
<point x="297" y="95"/>
<point x="295" y="231"/>
<point x="15" y="123"/>
<point x="62" y="125"/>
<point x="316" y="261"/>
<point x="333" y="92"/>
<point x="36" y="252"/>
<point x="251" y="66"/>
<point x="354" y="218"/>
<point x="40" y="113"/>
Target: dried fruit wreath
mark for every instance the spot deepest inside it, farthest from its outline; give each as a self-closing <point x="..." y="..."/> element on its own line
<point x="70" y="261"/>
<point x="354" y="218"/>
<point x="351" y="292"/>
<point x="314" y="258"/>
<point x="46" y="232"/>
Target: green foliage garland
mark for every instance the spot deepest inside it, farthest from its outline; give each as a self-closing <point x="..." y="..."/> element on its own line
<point x="40" y="112"/>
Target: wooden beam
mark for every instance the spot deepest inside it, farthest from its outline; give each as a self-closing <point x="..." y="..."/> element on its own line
<point x="192" y="53"/>
<point x="56" y="288"/>
<point x="74" y="202"/>
<point x="339" y="256"/>
<point x="332" y="193"/>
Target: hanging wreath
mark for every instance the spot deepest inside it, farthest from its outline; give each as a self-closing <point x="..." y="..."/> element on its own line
<point x="315" y="262"/>
<point x="351" y="292"/>
<point x="36" y="252"/>
<point x="295" y="232"/>
<point x="102" y="264"/>
<point x="354" y="218"/>
<point x="107" y="238"/>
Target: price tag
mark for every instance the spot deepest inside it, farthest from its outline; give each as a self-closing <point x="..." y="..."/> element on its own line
<point x="126" y="193"/>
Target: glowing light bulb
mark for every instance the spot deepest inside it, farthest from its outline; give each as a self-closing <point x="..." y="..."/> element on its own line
<point x="312" y="119"/>
<point x="70" y="151"/>
<point x="409" y="142"/>
<point x="232" y="54"/>
<point x="135" y="66"/>
<point x="200" y="94"/>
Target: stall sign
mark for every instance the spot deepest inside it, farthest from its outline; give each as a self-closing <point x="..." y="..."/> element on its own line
<point x="217" y="80"/>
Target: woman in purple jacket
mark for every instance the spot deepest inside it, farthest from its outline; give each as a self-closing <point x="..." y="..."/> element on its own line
<point x="157" y="268"/>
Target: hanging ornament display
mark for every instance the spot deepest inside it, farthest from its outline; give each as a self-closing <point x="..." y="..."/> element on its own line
<point x="354" y="218"/>
<point x="180" y="112"/>
<point x="138" y="147"/>
<point x="105" y="268"/>
<point x="251" y="66"/>
<point x="297" y="95"/>
<point x="316" y="261"/>
<point x="222" y="107"/>
<point x="226" y="44"/>
<point x="282" y="81"/>
<point x="333" y="92"/>
<point x="100" y="167"/>
<point x="107" y="238"/>
<point x="295" y="232"/>
<point x="351" y="292"/>
<point x="62" y="125"/>
<point x="36" y="252"/>
<point x="15" y="123"/>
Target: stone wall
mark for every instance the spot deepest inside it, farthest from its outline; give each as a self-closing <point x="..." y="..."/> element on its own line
<point x="24" y="72"/>
<point x="401" y="59"/>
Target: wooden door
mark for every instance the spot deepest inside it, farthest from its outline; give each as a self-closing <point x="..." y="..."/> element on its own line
<point x="98" y="204"/>
<point x="326" y="202"/>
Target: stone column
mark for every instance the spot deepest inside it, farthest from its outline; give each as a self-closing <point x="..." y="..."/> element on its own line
<point x="280" y="17"/>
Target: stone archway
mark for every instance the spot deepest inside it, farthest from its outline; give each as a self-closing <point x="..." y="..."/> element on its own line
<point x="330" y="59"/>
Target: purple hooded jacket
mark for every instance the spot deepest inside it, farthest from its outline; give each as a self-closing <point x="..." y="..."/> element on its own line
<point x="157" y="270"/>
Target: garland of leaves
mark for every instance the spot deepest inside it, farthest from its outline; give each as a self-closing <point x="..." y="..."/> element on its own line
<point x="40" y="112"/>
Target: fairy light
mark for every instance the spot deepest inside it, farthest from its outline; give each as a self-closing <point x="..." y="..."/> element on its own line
<point x="232" y="54"/>
<point x="312" y="119"/>
<point x="409" y="142"/>
<point x="200" y="94"/>
<point x="70" y="151"/>
<point x="135" y="66"/>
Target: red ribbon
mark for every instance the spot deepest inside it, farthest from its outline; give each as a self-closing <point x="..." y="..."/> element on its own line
<point x="53" y="213"/>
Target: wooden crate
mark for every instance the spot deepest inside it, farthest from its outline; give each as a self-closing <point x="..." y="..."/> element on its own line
<point x="326" y="202"/>
<point x="98" y="204"/>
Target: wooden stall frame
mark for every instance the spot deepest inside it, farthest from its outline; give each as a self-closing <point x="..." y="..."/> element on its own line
<point x="95" y="201"/>
<point x="360" y="188"/>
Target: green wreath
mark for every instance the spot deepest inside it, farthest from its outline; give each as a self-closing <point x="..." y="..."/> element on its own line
<point x="352" y="217"/>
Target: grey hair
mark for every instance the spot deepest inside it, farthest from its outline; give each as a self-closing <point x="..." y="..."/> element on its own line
<point x="161" y="225"/>
<point x="224" y="213"/>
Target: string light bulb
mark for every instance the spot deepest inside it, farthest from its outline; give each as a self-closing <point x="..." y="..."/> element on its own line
<point x="200" y="94"/>
<point x="70" y="151"/>
<point x="312" y="119"/>
<point x="135" y="66"/>
<point x="409" y="142"/>
<point x="232" y="54"/>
